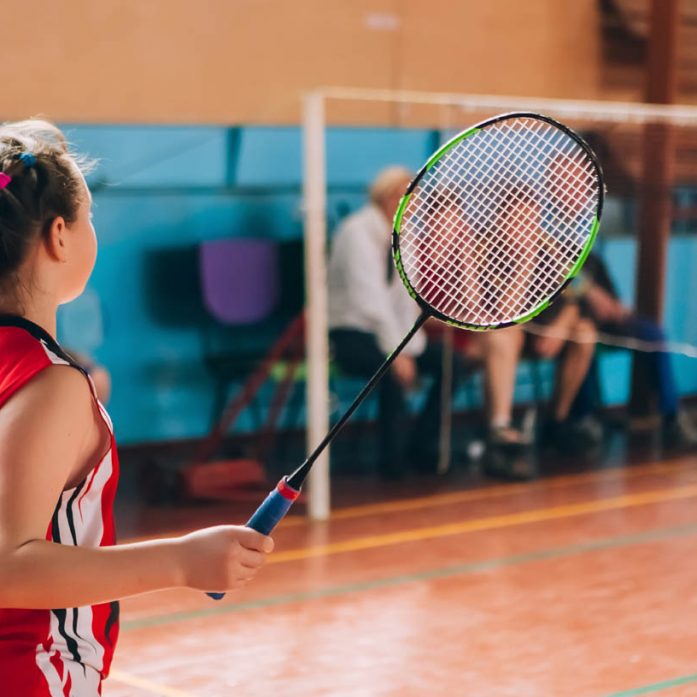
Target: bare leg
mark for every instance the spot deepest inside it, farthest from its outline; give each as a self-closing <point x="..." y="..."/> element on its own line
<point x="574" y="364"/>
<point x="501" y="351"/>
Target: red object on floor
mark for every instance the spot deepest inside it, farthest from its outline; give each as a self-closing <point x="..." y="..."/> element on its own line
<point x="219" y="479"/>
<point x="243" y="478"/>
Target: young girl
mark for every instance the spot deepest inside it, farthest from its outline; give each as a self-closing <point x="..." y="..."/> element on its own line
<point x="60" y="573"/>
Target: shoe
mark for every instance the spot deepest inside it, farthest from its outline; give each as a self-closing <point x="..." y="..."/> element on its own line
<point x="504" y="464"/>
<point x="572" y="435"/>
<point x="505" y="436"/>
<point x="588" y="429"/>
<point x="679" y="432"/>
<point x="422" y="458"/>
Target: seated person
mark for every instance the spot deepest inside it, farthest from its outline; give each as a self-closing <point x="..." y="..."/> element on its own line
<point x="562" y="332"/>
<point x="498" y="352"/>
<point x="601" y="303"/>
<point x="553" y="335"/>
<point x="559" y="332"/>
<point x="370" y="311"/>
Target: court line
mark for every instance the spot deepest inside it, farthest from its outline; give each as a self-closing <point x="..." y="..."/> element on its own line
<point x="468" y="495"/>
<point x="468" y="568"/>
<point x="656" y="687"/>
<point x="498" y="491"/>
<point x="145" y="684"/>
<point x="536" y="515"/>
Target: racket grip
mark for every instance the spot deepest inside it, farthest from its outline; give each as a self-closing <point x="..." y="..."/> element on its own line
<point x="273" y="508"/>
<point x="269" y="514"/>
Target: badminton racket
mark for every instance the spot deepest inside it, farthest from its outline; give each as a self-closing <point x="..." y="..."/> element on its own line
<point x="490" y="231"/>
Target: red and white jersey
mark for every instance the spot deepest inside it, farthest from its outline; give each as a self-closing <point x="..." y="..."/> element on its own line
<point x="67" y="651"/>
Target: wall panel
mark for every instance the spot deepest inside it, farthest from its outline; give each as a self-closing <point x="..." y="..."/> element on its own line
<point x="246" y="61"/>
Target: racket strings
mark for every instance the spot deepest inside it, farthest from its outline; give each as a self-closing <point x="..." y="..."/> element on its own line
<point x="507" y="172"/>
<point x="496" y="176"/>
<point x="496" y="225"/>
<point x="449" y="281"/>
<point x="479" y="259"/>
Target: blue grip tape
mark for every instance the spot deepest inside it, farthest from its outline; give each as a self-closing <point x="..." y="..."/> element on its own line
<point x="268" y="516"/>
<point x="270" y="513"/>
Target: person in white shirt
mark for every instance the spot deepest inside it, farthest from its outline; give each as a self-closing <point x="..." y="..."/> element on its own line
<point x="370" y="311"/>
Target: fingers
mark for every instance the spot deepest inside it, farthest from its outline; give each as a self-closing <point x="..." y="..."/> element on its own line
<point x="245" y="574"/>
<point x="251" y="539"/>
<point x="251" y="559"/>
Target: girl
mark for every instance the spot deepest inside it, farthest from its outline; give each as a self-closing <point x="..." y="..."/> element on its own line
<point x="58" y="461"/>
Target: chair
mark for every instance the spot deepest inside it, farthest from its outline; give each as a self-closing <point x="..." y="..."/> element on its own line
<point x="239" y="279"/>
<point x="240" y="287"/>
<point x="240" y="283"/>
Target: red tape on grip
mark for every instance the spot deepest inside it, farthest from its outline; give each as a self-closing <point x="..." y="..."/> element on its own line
<point x="287" y="491"/>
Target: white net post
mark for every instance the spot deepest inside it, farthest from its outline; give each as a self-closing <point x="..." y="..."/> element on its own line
<point x="462" y="110"/>
<point x="316" y="328"/>
<point x="445" y="438"/>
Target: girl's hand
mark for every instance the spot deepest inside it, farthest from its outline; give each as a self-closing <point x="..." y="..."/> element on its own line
<point x="222" y="558"/>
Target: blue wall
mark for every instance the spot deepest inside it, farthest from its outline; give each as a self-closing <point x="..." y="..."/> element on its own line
<point x="159" y="188"/>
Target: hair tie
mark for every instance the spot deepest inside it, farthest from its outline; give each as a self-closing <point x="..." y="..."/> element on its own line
<point x="28" y="159"/>
<point x="5" y="179"/>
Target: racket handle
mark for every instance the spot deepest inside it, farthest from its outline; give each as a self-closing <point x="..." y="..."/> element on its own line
<point x="269" y="514"/>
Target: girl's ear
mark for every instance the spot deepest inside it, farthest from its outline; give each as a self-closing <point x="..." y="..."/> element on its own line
<point x="56" y="241"/>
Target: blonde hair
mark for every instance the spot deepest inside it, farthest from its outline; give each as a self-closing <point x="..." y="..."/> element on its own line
<point x="43" y="182"/>
<point x="388" y="182"/>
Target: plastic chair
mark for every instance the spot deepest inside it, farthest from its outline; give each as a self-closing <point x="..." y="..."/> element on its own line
<point x="240" y="285"/>
<point x="239" y="279"/>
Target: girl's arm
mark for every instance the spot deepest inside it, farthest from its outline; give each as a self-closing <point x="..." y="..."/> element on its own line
<point x="47" y="430"/>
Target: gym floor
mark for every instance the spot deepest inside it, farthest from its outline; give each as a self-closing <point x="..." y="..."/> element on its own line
<point x="577" y="584"/>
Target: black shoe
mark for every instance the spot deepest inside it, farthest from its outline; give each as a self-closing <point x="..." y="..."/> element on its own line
<point x="507" y="464"/>
<point x="572" y="436"/>
<point x="679" y="432"/>
<point x="423" y="460"/>
<point x="588" y="429"/>
<point x="508" y="436"/>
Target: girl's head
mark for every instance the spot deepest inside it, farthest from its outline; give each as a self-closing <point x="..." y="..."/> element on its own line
<point x="47" y="242"/>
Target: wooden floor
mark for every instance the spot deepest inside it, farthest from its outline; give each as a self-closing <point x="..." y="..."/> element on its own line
<point x="579" y="585"/>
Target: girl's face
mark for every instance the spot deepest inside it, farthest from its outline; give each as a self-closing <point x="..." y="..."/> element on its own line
<point x="83" y="250"/>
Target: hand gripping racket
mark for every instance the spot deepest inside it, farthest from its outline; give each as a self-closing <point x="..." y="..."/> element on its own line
<point x="493" y="227"/>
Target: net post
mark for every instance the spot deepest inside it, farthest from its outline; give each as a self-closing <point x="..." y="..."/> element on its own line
<point x="315" y="233"/>
<point x="658" y="174"/>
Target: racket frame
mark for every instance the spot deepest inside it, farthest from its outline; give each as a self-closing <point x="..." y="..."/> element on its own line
<point x="445" y="148"/>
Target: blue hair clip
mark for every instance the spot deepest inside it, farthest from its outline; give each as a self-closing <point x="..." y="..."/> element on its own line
<point x="28" y="159"/>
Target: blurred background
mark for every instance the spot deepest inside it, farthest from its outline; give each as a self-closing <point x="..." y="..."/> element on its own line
<point x="197" y="117"/>
<point x="194" y="117"/>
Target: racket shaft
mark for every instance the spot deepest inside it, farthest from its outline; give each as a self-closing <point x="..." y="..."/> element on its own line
<point x="277" y="503"/>
<point x="269" y="514"/>
<point x="369" y="387"/>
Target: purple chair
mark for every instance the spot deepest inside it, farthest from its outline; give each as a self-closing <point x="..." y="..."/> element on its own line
<point x="240" y="289"/>
<point x="239" y="279"/>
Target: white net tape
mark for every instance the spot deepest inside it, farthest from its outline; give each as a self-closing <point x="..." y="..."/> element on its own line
<point x="678" y="348"/>
<point x="495" y="226"/>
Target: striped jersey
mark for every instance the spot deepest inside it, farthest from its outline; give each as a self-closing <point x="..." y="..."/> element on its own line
<point x="63" y="652"/>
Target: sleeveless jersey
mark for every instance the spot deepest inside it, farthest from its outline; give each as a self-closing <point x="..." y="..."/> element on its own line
<point x="63" y="652"/>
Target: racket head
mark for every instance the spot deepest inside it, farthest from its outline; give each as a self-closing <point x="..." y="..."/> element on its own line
<point x="498" y="221"/>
